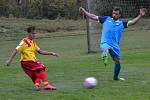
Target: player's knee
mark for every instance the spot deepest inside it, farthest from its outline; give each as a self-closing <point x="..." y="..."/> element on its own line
<point x="116" y="61"/>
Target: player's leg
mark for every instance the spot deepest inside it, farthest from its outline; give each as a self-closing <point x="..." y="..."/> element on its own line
<point x="105" y="50"/>
<point x="30" y="74"/>
<point x="43" y="77"/>
<point x="104" y="55"/>
<point x="117" y="65"/>
<point x="117" y="68"/>
<point x="27" y="67"/>
<point x="37" y="80"/>
<point x="40" y="72"/>
<point x="34" y="77"/>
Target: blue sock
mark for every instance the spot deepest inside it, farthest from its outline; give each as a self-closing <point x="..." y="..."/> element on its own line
<point x="116" y="71"/>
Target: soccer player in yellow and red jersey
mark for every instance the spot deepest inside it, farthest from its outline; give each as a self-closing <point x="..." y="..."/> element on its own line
<point x="30" y="64"/>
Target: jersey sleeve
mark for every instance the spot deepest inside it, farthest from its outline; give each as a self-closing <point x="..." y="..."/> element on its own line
<point x="125" y="24"/>
<point x="19" y="48"/>
<point x="101" y="19"/>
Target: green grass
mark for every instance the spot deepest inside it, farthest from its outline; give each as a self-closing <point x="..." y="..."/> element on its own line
<point x="68" y="71"/>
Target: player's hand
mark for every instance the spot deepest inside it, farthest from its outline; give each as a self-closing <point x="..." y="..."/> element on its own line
<point x="7" y="63"/>
<point x="82" y="10"/>
<point x="56" y="54"/>
<point x="142" y="11"/>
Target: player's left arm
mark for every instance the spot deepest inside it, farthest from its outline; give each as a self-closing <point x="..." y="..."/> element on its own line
<point x="136" y="19"/>
<point x="47" y="53"/>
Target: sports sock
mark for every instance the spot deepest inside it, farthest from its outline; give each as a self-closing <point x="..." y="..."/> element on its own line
<point x="37" y="77"/>
<point x="116" y="71"/>
<point x="43" y="75"/>
<point x="37" y="84"/>
<point x="46" y="82"/>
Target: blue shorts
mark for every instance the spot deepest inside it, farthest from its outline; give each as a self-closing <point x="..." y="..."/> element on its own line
<point x="113" y="54"/>
<point x="113" y="51"/>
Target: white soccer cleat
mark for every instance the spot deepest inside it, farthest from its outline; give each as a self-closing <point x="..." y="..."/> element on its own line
<point x="122" y="79"/>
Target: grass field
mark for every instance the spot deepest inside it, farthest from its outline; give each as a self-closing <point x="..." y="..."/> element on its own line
<point x="68" y="71"/>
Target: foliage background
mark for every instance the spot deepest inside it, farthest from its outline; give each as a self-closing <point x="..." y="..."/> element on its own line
<point x="68" y="9"/>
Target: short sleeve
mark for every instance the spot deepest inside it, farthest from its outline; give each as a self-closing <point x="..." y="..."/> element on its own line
<point x="19" y="48"/>
<point x="125" y="24"/>
<point x="101" y="19"/>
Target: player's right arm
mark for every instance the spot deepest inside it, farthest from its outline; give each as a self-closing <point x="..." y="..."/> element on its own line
<point x="91" y="16"/>
<point x="8" y="62"/>
<point x="17" y="49"/>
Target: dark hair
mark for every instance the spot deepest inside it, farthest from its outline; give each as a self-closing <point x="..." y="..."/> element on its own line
<point x="117" y="9"/>
<point x="30" y="29"/>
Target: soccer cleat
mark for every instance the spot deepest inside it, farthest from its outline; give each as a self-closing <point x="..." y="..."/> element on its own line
<point x="104" y="58"/>
<point x="37" y="87"/>
<point x="49" y="87"/>
<point x="121" y="79"/>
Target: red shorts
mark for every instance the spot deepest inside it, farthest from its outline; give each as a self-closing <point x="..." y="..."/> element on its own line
<point x="32" y="65"/>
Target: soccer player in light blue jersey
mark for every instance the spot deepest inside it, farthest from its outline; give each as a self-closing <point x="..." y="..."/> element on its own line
<point x="112" y="29"/>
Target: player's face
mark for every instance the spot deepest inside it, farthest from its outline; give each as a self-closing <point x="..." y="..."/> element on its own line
<point x="116" y="14"/>
<point x="32" y="35"/>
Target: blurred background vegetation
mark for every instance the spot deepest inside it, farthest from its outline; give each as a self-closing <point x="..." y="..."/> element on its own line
<point x="68" y="9"/>
<point x="61" y="17"/>
<point x="37" y="9"/>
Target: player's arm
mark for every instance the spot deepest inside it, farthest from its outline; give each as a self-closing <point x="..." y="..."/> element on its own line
<point x="17" y="49"/>
<point x="136" y="19"/>
<point x="91" y="16"/>
<point x="10" y="59"/>
<point x="47" y="53"/>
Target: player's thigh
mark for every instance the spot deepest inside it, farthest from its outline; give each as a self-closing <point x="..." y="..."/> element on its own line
<point x="30" y="73"/>
<point x="114" y="56"/>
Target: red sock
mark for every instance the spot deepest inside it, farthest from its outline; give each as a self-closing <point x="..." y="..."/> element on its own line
<point x="37" y="77"/>
<point x="43" y="75"/>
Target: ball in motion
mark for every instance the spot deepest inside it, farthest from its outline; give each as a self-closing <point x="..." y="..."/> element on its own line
<point x="90" y="82"/>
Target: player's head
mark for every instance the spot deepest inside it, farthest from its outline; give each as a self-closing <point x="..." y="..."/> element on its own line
<point x="31" y="32"/>
<point x="116" y="13"/>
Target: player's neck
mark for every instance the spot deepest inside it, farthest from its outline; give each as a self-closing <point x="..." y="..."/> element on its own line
<point x="31" y="39"/>
<point x="115" y="19"/>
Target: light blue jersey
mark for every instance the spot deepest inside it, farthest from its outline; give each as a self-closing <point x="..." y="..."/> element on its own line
<point x="111" y="33"/>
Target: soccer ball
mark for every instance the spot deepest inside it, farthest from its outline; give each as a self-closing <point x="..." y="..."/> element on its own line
<point x="90" y="82"/>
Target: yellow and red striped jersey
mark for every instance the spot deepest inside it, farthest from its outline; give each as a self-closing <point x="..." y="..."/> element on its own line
<point x="27" y="48"/>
